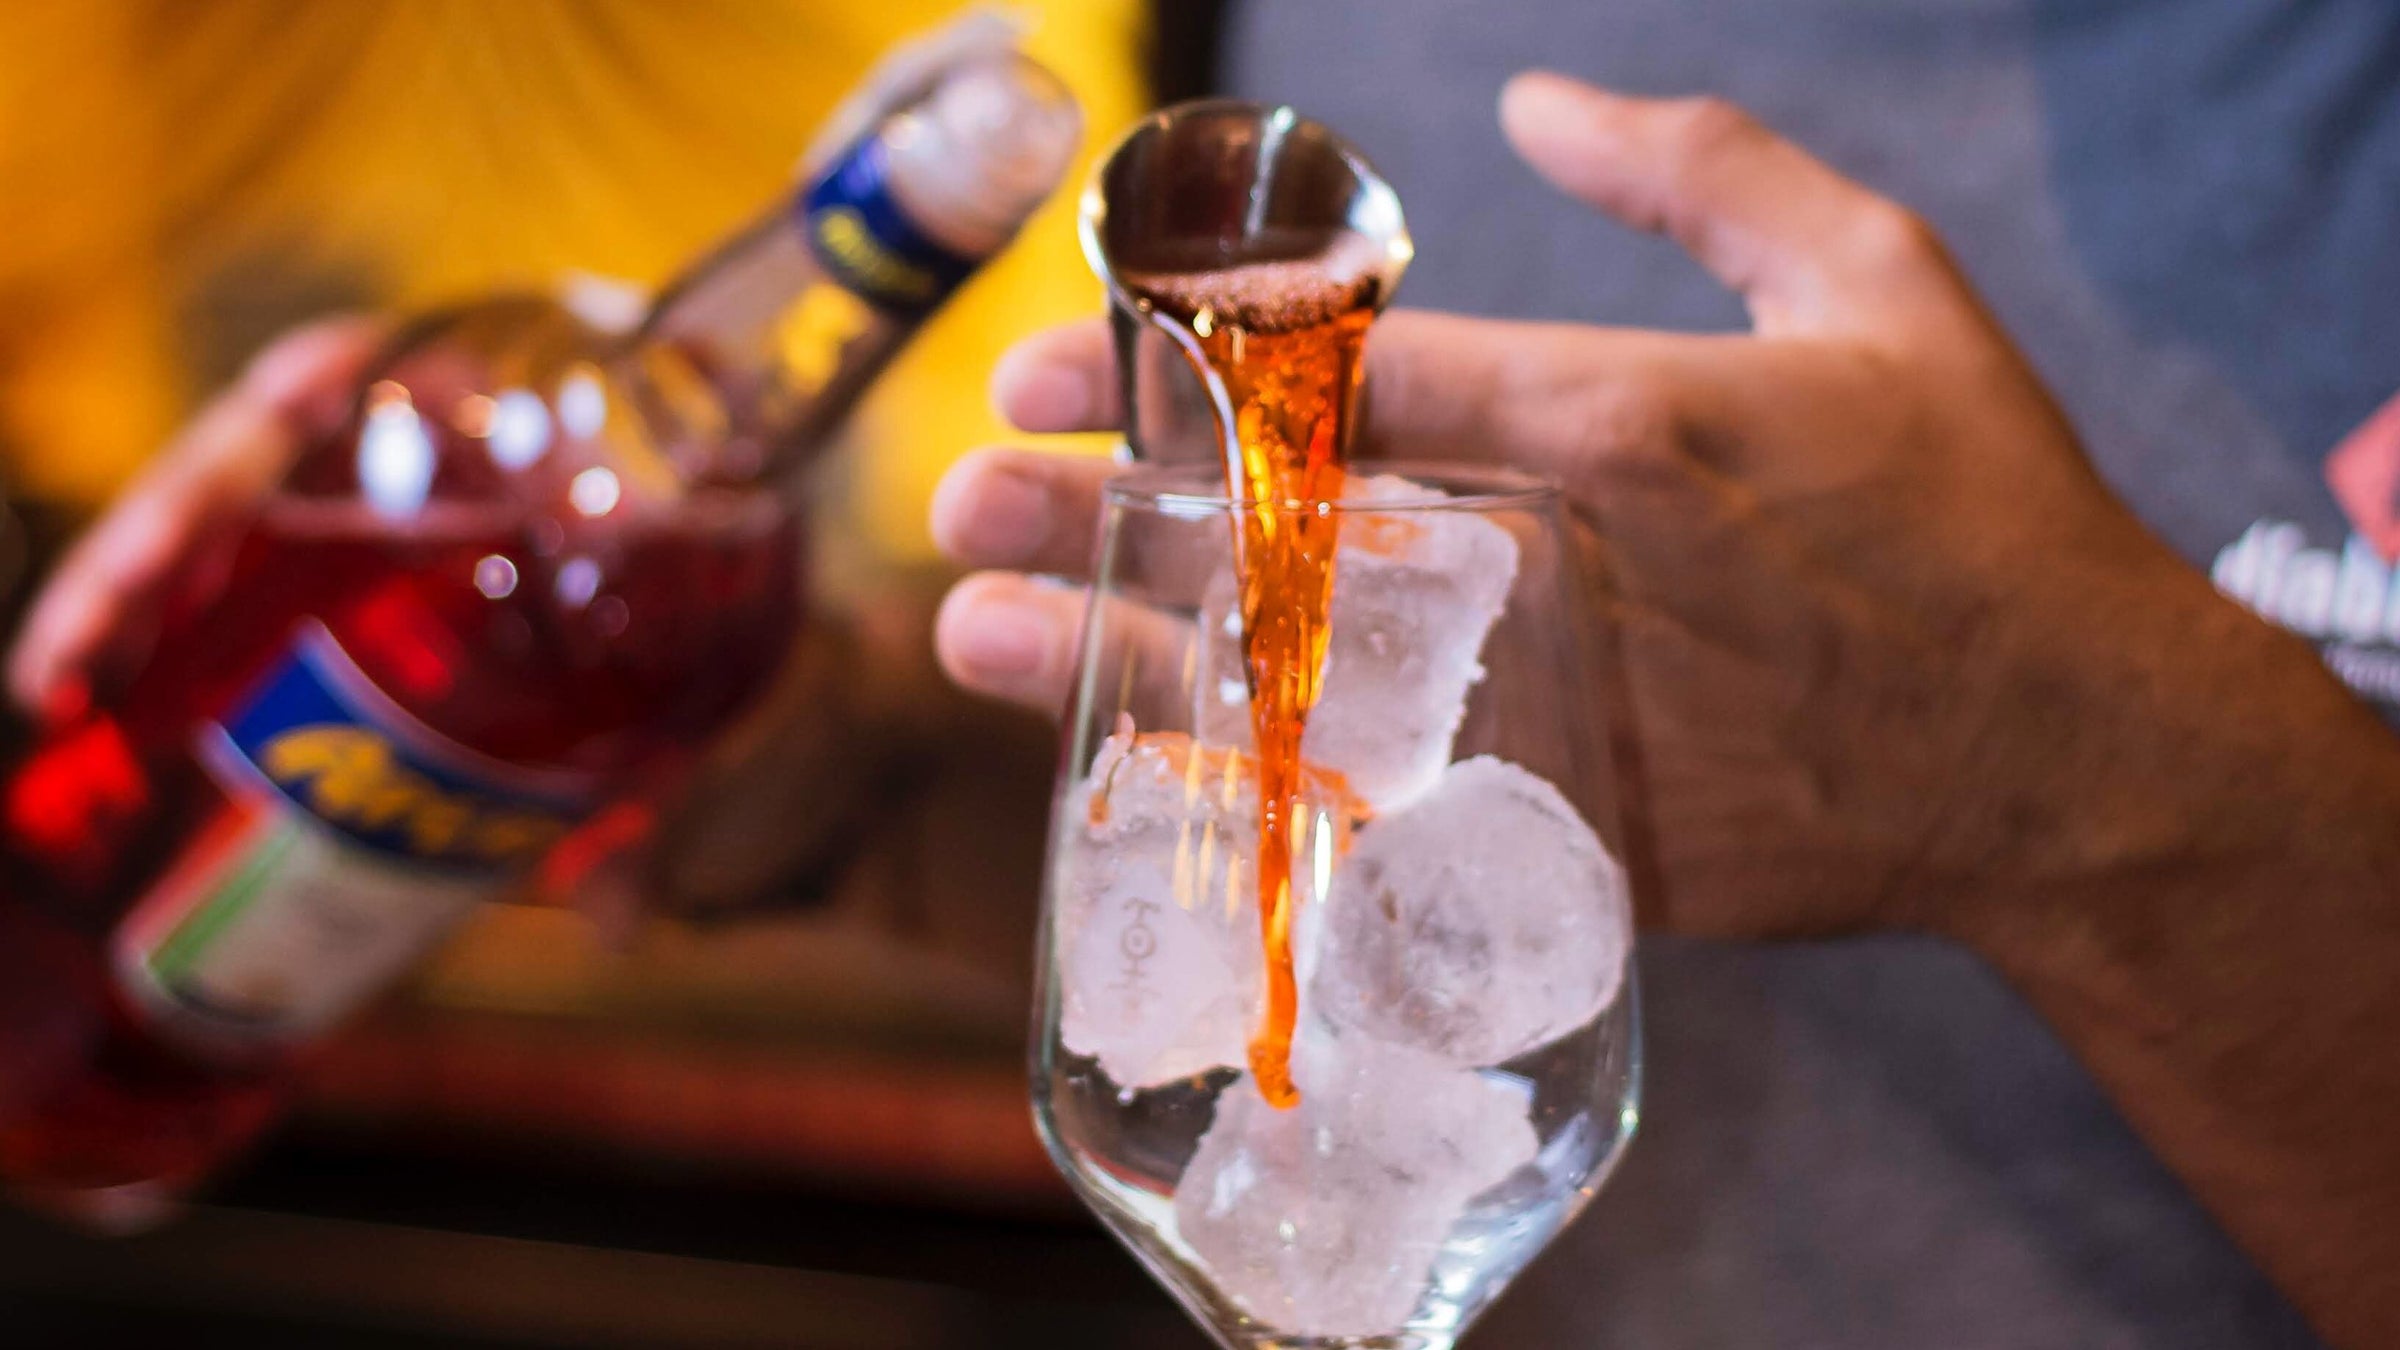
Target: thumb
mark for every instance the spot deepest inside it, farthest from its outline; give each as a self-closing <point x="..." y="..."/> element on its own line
<point x="165" y="533"/>
<point x="1808" y="249"/>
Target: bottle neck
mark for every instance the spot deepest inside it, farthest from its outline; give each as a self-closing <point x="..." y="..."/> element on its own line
<point x="711" y="363"/>
<point x="752" y="359"/>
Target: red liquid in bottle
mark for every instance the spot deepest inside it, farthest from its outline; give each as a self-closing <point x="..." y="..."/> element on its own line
<point x="487" y="666"/>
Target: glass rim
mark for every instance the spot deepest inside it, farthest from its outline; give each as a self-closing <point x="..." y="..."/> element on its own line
<point x="1440" y="485"/>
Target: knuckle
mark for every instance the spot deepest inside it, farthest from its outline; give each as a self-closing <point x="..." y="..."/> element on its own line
<point x="1627" y="419"/>
<point x="1625" y="442"/>
<point x="1706" y="126"/>
<point x="1619" y="489"/>
<point x="1886" y="234"/>
<point x="301" y="362"/>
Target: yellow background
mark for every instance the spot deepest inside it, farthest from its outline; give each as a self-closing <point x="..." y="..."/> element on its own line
<point x="179" y="181"/>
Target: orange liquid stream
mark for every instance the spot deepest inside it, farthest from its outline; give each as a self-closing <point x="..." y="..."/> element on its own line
<point x="1287" y="343"/>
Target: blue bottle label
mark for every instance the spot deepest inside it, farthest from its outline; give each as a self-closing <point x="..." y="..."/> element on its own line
<point x="352" y="840"/>
<point x="864" y="238"/>
<point x="315" y="732"/>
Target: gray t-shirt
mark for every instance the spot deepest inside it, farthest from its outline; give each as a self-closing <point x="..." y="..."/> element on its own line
<point x="2188" y="212"/>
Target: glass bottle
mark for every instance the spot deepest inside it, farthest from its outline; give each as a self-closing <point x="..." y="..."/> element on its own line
<point x="540" y="564"/>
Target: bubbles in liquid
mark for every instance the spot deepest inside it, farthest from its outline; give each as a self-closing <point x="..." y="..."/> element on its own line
<point x="1272" y="297"/>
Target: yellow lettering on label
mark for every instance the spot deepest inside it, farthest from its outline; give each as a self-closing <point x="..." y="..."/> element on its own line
<point x="349" y="775"/>
<point x="435" y="826"/>
<point x="513" y="835"/>
<point x="844" y="234"/>
<point x="812" y="334"/>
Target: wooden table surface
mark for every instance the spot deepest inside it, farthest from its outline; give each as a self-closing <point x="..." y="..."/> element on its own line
<point x="323" y="1242"/>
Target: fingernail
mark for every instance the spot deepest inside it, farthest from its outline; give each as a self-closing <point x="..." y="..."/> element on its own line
<point x="1036" y="394"/>
<point x="1002" y="639"/>
<point x="1535" y="98"/>
<point x="1004" y="523"/>
<point x="291" y="369"/>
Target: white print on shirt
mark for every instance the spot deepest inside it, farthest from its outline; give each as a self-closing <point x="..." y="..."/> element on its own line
<point x="2347" y="600"/>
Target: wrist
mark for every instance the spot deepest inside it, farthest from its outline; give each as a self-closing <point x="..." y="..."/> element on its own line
<point x="2197" y="751"/>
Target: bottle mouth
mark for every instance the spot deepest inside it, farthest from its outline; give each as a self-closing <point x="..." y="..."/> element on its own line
<point x="983" y="151"/>
<point x="1219" y="184"/>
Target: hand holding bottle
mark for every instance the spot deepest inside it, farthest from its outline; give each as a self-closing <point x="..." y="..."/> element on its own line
<point x="172" y="530"/>
<point x="397" y="616"/>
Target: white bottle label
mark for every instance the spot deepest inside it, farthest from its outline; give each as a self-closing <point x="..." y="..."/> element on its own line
<point x="352" y="839"/>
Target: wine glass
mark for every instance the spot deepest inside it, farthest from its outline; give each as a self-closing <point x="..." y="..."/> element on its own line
<point x="1465" y="1045"/>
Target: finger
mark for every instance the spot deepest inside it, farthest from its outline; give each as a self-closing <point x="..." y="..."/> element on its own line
<point x="1546" y="397"/>
<point x="1438" y="386"/>
<point x="1011" y="638"/>
<point x="1808" y="249"/>
<point x="1021" y="509"/>
<point x="1029" y="511"/>
<point x="1018" y="639"/>
<point x="309" y="374"/>
<point x="112" y="582"/>
<point x="611" y="305"/>
<point x="1060" y="379"/>
<point x="1588" y="407"/>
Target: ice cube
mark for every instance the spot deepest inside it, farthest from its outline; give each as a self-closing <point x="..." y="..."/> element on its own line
<point x="1415" y="594"/>
<point x="1325" y="1219"/>
<point x="1158" y="912"/>
<point x="1475" y="924"/>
